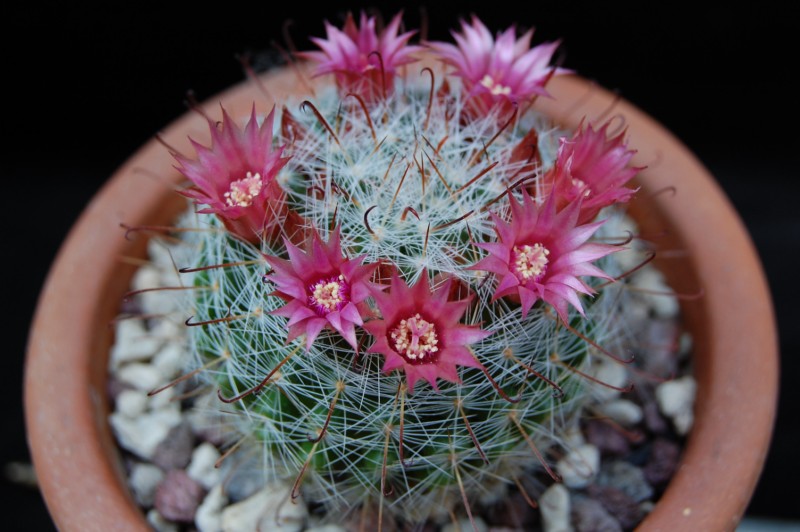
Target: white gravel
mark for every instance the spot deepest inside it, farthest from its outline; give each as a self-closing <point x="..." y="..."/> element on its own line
<point x="209" y="513"/>
<point x="202" y="469"/>
<point x="141" y="435"/>
<point x="580" y="466"/>
<point x="268" y="509"/>
<point x="133" y="343"/>
<point x="622" y="411"/>
<point x="143" y="480"/>
<point x="555" y="507"/>
<point x="676" y="401"/>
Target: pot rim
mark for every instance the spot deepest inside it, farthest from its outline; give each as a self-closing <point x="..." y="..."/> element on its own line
<point x="67" y="422"/>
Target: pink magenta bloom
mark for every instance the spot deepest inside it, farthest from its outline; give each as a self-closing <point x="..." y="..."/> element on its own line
<point x="352" y="54"/>
<point x="541" y="254"/>
<point x="322" y="288"/>
<point x="593" y="167"/>
<point x="420" y="332"/>
<point x="235" y="177"/>
<point x="498" y="71"/>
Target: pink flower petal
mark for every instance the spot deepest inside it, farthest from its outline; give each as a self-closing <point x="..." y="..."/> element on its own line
<point x="428" y="340"/>
<point x="502" y="71"/>
<point x="558" y="251"/>
<point x="236" y="176"/>
<point x="352" y="54"/>
<point x="319" y="284"/>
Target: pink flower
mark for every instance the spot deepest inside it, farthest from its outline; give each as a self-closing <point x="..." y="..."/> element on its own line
<point x="322" y="289"/>
<point x="420" y="332"/>
<point x="235" y="176"/>
<point x="354" y="54"/>
<point x="506" y="70"/>
<point x="541" y="254"/>
<point x="594" y="168"/>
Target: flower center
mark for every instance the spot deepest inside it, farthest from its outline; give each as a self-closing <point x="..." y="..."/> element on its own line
<point x="495" y="88"/>
<point x="328" y="294"/>
<point x="529" y="262"/>
<point x="580" y="187"/>
<point x="243" y="191"/>
<point x="415" y="339"/>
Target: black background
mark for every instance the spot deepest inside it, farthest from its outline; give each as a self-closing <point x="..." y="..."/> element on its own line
<point x="85" y="87"/>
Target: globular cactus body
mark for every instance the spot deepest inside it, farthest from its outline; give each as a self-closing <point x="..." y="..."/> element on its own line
<point x="403" y="327"/>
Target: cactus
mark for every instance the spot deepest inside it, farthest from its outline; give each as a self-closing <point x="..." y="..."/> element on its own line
<point x="405" y="282"/>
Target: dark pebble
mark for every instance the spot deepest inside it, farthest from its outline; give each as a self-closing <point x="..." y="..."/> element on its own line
<point x="639" y="455"/>
<point x="626" y="477"/>
<point x="114" y="387"/>
<point x="662" y="339"/>
<point x="175" y="451"/>
<point x="130" y="306"/>
<point x="215" y="435"/>
<point x="588" y="515"/>
<point x="618" y="504"/>
<point x="653" y="419"/>
<point x="512" y="512"/>
<point x="244" y="478"/>
<point x="663" y="462"/>
<point x="178" y="496"/>
<point x="606" y="438"/>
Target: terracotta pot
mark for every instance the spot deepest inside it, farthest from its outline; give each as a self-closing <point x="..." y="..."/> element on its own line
<point x="733" y="327"/>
